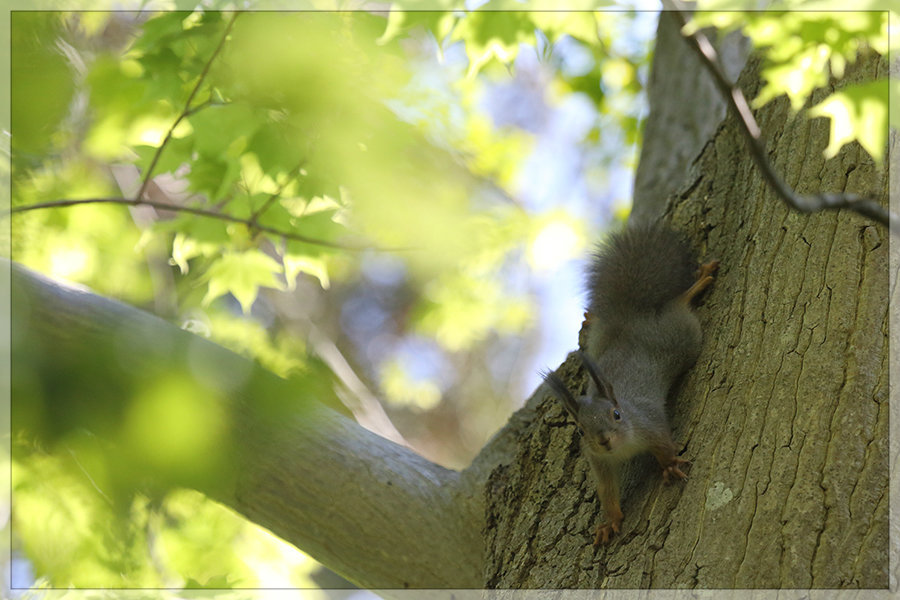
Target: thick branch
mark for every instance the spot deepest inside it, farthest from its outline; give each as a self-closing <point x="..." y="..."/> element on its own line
<point x="377" y="513"/>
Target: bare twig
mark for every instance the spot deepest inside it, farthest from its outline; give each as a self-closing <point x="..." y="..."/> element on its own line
<point x="736" y="100"/>
<point x="184" y="113"/>
<point x="203" y="212"/>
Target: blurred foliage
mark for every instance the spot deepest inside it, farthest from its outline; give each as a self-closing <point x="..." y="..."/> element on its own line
<point x="180" y="540"/>
<point x="370" y="195"/>
<point x="310" y="124"/>
<point x="804" y="50"/>
<point x="44" y="86"/>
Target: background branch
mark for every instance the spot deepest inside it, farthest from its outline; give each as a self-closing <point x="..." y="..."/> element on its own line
<point x="737" y="102"/>
<point x="355" y="501"/>
<point x="203" y="212"/>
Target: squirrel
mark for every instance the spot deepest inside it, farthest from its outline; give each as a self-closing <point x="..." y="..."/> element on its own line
<point x="641" y="336"/>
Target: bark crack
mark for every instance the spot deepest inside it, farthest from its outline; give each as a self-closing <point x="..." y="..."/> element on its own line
<point x="832" y="456"/>
<point x="745" y="540"/>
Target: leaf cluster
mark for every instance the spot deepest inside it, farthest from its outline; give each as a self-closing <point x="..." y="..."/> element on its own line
<point x="806" y="50"/>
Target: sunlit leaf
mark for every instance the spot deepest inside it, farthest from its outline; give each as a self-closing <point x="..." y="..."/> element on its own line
<point x="802" y="49"/>
<point x="857" y="112"/>
<point x="296" y="262"/>
<point x="241" y="274"/>
<point x="401" y="22"/>
<point x="578" y="24"/>
<point x="493" y="35"/>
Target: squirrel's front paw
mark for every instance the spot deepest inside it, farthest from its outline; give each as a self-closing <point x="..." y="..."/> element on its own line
<point x="605" y="531"/>
<point x="673" y="469"/>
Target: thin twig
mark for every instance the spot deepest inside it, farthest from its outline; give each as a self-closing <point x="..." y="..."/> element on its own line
<point x="201" y="106"/>
<point x="254" y="218"/>
<point x="752" y="134"/>
<point x="203" y="212"/>
<point x="184" y="113"/>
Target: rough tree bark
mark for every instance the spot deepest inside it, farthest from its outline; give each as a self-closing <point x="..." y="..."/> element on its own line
<point x="785" y="415"/>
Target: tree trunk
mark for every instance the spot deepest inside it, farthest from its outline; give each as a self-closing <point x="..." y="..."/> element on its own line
<point x="784" y="416"/>
<point x="685" y="109"/>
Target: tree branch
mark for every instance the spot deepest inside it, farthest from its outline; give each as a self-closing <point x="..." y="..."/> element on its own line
<point x="184" y="113"/>
<point x="374" y="512"/>
<point x="203" y="212"/>
<point x="737" y="102"/>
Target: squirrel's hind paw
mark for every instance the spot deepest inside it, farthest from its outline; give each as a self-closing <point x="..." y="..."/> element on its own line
<point x="604" y="532"/>
<point x="704" y="277"/>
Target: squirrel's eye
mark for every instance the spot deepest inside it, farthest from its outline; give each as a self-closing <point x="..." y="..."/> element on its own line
<point x="616" y="415"/>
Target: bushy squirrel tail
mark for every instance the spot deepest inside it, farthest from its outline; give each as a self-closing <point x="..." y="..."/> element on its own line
<point x="638" y="269"/>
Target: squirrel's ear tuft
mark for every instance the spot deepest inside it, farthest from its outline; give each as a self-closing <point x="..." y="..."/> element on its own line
<point x="604" y="387"/>
<point x="559" y="389"/>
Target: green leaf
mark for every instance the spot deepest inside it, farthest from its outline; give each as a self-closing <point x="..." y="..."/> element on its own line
<point x="184" y="248"/>
<point x="493" y="35"/>
<point x="318" y="226"/>
<point x="161" y="28"/>
<point x="298" y="259"/>
<point x="802" y="47"/>
<point x="213" y="177"/>
<point x="162" y="71"/>
<point x="401" y="22"/>
<point x="579" y="25"/>
<point x="217" y="127"/>
<point x="276" y="146"/>
<point x="195" y="236"/>
<point x="857" y="112"/>
<point x="241" y="274"/>
<point x="114" y="89"/>
<point x="797" y="77"/>
<point x="176" y="153"/>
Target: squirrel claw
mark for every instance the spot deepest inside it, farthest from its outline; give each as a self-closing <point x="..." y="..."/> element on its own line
<point x="704" y="277"/>
<point x="707" y="269"/>
<point x="673" y="469"/>
<point x="604" y="532"/>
